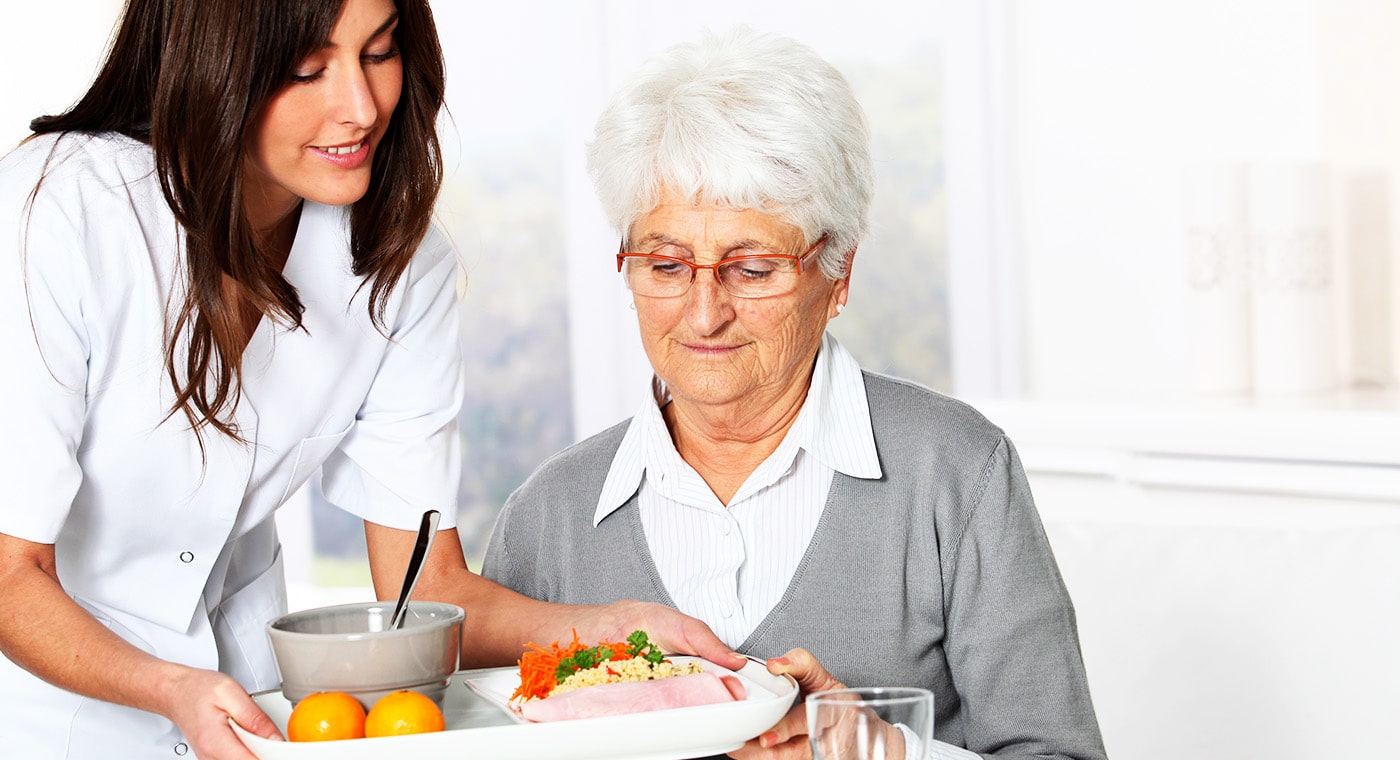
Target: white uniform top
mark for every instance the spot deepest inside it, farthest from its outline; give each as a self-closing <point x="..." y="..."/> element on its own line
<point x="178" y="554"/>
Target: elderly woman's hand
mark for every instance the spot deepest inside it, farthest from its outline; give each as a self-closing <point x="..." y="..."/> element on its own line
<point x="788" y="738"/>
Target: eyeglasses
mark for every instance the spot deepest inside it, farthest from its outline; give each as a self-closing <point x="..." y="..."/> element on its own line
<point x="658" y="276"/>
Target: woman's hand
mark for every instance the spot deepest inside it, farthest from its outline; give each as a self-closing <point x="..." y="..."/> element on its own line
<point x="44" y="631"/>
<point x="788" y="738"/>
<point x="500" y="622"/>
<point x="673" y="630"/>
<point x="201" y="702"/>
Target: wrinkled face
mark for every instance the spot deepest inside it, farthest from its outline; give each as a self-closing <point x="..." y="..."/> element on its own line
<point x="711" y="348"/>
<point x="316" y="138"/>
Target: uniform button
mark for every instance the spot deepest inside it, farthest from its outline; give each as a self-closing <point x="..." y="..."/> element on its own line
<point x="727" y="528"/>
<point x="186" y="557"/>
<point x="182" y="749"/>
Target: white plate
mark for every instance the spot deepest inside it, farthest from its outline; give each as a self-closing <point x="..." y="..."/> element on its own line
<point x="479" y="726"/>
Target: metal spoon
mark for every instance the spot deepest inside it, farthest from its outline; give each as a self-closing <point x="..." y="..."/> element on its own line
<point x="426" y="531"/>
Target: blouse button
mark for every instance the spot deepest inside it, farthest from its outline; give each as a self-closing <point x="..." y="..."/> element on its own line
<point x="186" y="557"/>
<point x="182" y="749"/>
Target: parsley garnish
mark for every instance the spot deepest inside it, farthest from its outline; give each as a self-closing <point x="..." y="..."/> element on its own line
<point x="590" y="657"/>
<point x="583" y="659"/>
<point x="639" y="646"/>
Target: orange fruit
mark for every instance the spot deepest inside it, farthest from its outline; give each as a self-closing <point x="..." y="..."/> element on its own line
<point x="403" y="712"/>
<point x="326" y="716"/>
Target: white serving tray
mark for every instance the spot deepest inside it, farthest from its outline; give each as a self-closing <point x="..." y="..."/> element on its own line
<point x="479" y="725"/>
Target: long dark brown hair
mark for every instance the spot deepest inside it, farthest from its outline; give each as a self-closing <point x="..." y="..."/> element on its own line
<point x="189" y="77"/>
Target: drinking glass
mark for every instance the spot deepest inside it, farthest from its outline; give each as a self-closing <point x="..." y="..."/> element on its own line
<point x="872" y="723"/>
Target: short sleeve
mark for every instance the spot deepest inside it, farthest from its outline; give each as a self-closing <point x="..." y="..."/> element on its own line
<point x="403" y="454"/>
<point x="45" y="347"/>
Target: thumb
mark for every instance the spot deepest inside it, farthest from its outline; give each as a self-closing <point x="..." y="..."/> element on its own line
<point x="256" y="722"/>
<point x="805" y="669"/>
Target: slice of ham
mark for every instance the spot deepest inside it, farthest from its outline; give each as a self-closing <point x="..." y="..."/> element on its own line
<point x="635" y="696"/>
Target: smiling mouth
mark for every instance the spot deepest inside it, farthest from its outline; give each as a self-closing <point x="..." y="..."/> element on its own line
<point x="345" y="150"/>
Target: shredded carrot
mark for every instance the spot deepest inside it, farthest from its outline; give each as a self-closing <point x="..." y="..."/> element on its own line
<point x="537" y="668"/>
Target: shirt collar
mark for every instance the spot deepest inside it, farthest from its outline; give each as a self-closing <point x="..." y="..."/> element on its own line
<point x="840" y="435"/>
<point x="629" y="463"/>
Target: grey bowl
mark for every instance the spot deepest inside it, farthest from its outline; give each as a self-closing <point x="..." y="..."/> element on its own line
<point x="347" y="648"/>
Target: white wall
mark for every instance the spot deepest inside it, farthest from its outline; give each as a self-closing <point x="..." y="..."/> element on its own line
<point x="1230" y="626"/>
<point x="1361" y="132"/>
<point x="1112" y="100"/>
<point x="51" y="55"/>
<point x="1231" y="571"/>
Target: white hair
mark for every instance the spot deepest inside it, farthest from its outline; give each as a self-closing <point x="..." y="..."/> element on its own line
<point x="745" y="121"/>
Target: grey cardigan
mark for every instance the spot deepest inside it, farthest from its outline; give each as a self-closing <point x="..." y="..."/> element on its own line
<point x="936" y="575"/>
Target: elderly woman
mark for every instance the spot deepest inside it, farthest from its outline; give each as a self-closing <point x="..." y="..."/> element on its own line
<point x="854" y="528"/>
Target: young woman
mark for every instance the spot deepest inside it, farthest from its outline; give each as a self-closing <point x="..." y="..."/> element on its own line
<point x="219" y="276"/>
